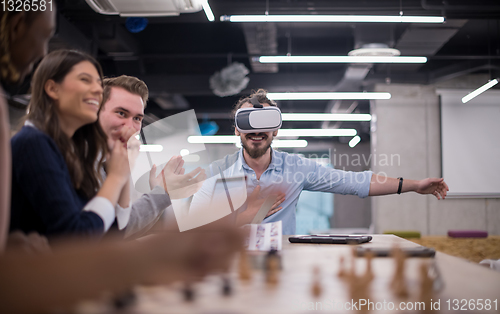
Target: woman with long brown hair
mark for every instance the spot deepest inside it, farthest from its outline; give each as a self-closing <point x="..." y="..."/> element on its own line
<point x="56" y="156"/>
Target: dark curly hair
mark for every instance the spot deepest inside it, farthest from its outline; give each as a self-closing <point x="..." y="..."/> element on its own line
<point x="260" y="94"/>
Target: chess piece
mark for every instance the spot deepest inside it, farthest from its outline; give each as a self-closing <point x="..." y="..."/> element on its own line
<point x="398" y="283"/>
<point x="352" y="271"/>
<point x="226" y="286"/>
<point x="426" y="286"/>
<point x="316" y="289"/>
<point x="244" y="267"/>
<point x="188" y="292"/>
<point x="124" y="299"/>
<point x="359" y="286"/>
<point x="342" y="273"/>
<point x="272" y="266"/>
<point x="272" y="271"/>
<point x="368" y="277"/>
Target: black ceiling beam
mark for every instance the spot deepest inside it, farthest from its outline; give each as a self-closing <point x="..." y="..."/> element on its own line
<point x="459" y="69"/>
<point x="197" y="85"/>
<point x="68" y="36"/>
<point x="477" y="5"/>
<point x="396" y="78"/>
<point x="130" y="56"/>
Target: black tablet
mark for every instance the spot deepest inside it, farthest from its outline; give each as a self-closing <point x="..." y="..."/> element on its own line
<point x="420" y="251"/>
<point x="330" y="239"/>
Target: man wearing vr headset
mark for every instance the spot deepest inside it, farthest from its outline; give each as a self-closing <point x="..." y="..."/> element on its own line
<point x="257" y="120"/>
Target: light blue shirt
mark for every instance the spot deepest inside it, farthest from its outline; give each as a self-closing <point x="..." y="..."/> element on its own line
<point x="288" y="174"/>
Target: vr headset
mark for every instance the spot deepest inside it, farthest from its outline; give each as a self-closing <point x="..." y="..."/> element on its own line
<point x="258" y="119"/>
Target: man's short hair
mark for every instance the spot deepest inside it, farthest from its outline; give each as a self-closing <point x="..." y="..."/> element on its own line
<point x="260" y="95"/>
<point x="129" y="83"/>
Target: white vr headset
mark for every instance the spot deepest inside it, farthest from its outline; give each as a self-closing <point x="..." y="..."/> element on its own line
<point x="258" y="119"/>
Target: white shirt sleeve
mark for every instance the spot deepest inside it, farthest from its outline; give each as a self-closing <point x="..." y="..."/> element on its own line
<point x="123" y="215"/>
<point x="103" y="208"/>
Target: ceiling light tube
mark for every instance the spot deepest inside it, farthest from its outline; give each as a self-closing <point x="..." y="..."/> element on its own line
<point x="480" y="90"/>
<point x="354" y="141"/>
<point x="328" y="96"/>
<point x="334" y="18"/>
<point x="214" y="139"/>
<point x="326" y="117"/>
<point x="341" y="59"/>
<point x="284" y="144"/>
<point x="208" y="10"/>
<point x="316" y="132"/>
<point x="233" y="139"/>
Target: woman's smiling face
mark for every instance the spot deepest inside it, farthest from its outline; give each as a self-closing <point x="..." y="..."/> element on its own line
<point x="79" y="95"/>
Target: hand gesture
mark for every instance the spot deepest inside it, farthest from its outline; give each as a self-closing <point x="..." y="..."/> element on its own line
<point x="174" y="165"/>
<point x="117" y="164"/>
<point x="133" y="148"/>
<point x="173" y="180"/>
<point x="434" y="186"/>
<point x="276" y="206"/>
<point x="120" y="136"/>
<point x="254" y="203"/>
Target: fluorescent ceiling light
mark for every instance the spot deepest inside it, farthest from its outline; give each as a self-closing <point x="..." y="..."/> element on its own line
<point x="334" y="18"/>
<point x="341" y="59"/>
<point x="316" y="132"/>
<point x="208" y="11"/>
<point x="326" y="117"/>
<point x="214" y="139"/>
<point x="151" y="148"/>
<point x="284" y="144"/>
<point x="233" y="139"/>
<point x="480" y="90"/>
<point x="354" y="141"/>
<point x="289" y="143"/>
<point x="327" y="96"/>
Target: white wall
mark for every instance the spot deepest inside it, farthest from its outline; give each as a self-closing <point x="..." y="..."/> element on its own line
<point x="409" y="125"/>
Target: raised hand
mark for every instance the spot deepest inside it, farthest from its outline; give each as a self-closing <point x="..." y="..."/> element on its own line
<point x="174" y="165"/>
<point x="117" y="164"/>
<point x="434" y="186"/>
<point x="173" y="180"/>
<point x="120" y="136"/>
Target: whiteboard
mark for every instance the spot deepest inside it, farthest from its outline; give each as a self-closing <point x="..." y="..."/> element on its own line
<point x="470" y="143"/>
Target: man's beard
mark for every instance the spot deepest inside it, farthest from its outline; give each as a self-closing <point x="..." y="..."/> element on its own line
<point x="256" y="152"/>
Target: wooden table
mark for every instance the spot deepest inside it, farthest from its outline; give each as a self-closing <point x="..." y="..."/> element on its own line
<point x="463" y="281"/>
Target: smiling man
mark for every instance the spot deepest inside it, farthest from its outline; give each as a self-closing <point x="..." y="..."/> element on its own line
<point x="124" y="100"/>
<point x="282" y="173"/>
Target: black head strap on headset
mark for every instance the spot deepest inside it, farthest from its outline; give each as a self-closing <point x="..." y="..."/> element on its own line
<point x="255" y="102"/>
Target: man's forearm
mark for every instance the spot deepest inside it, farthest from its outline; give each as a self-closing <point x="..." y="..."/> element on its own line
<point x="380" y="185"/>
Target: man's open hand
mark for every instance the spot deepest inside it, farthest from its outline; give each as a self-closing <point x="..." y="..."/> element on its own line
<point x="173" y="180"/>
<point x="434" y="186"/>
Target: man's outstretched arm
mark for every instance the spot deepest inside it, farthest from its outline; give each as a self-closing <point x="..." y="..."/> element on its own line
<point x="380" y="185"/>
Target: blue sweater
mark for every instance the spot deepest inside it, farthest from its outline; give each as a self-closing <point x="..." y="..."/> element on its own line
<point x="43" y="197"/>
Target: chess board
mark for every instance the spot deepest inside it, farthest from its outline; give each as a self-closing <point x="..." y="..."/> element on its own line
<point x="293" y="292"/>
